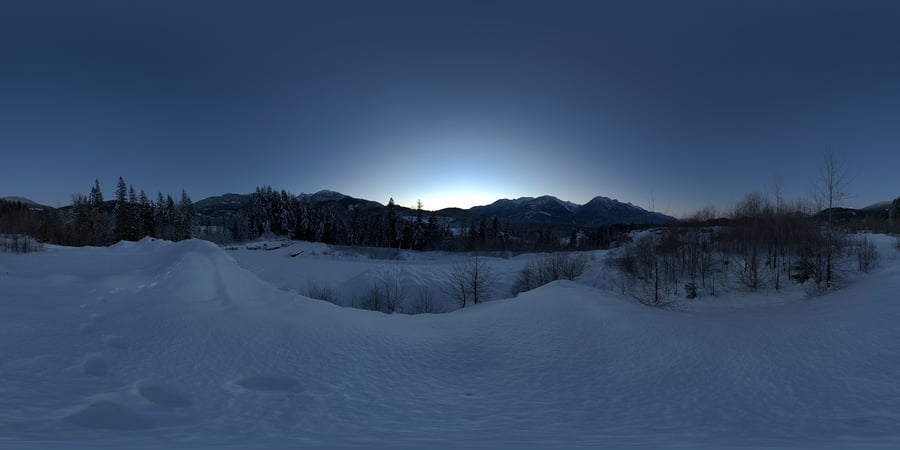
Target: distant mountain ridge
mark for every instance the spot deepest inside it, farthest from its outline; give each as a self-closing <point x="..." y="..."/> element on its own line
<point x="551" y="210"/>
<point x="221" y="204"/>
<point x="27" y="202"/>
<point x="545" y="209"/>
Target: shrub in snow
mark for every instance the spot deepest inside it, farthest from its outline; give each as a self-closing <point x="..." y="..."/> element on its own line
<point x="802" y="271"/>
<point x="424" y="302"/>
<point x="643" y="268"/>
<point x="866" y="254"/>
<point x="473" y="279"/>
<point x="320" y="292"/>
<point x="690" y="290"/>
<point x="559" y="266"/>
<point x="18" y="243"/>
<point x="382" y="295"/>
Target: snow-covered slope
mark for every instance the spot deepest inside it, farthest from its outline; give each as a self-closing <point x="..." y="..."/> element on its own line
<point x="162" y="345"/>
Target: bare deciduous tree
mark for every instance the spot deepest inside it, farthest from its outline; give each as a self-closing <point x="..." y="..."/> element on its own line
<point x="424" y="302"/>
<point x="830" y="192"/>
<point x="473" y="279"/>
<point x="558" y="266"/>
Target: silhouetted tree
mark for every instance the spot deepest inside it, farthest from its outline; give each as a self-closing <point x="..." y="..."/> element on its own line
<point x="473" y="279"/>
<point x="122" y="214"/>
<point x="831" y="191"/>
<point x="185" y="217"/>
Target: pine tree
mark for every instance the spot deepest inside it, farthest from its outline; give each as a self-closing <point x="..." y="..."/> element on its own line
<point x="99" y="218"/>
<point x="393" y="231"/>
<point x="287" y="220"/>
<point x="894" y="212"/>
<point x="169" y="215"/>
<point x="81" y="219"/>
<point x="159" y="216"/>
<point x="432" y="232"/>
<point x="261" y="210"/>
<point x="134" y="215"/>
<point x="121" y="212"/>
<point x="186" y="217"/>
<point x="146" y="210"/>
<point x="96" y="199"/>
<point x="419" y="227"/>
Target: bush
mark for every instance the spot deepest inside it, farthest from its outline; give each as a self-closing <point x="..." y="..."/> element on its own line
<point x="803" y="270"/>
<point x="559" y="266"/>
<point x="382" y="295"/>
<point x="424" y="302"/>
<point x="690" y="290"/>
<point x="320" y="292"/>
<point x="866" y="254"/>
<point x="18" y="243"/>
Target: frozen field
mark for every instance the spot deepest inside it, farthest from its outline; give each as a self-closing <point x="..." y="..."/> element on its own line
<point x="188" y="345"/>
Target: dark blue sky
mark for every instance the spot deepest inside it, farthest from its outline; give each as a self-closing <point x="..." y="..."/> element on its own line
<point x="456" y="103"/>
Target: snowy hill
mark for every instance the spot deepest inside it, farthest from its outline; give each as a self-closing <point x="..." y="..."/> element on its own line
<point x="182" y="345"/>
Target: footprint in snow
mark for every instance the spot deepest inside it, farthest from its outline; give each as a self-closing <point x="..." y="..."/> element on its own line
<point x="163" y="395"/>
<point x="95" y="365"/>
<point x="269" y="383"/>
<point x="109" y="415"/>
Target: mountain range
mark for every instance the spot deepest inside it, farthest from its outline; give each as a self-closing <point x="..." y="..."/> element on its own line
<point x="546" y="209"/>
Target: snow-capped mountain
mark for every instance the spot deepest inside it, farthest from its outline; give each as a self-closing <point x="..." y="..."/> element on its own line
<point x="544" y="209"/>
<point x="221" y="204"/>
<point x="606" y="211"/>
<point x="323" y="196"/>
<point x="551" y="210"/>
<point x="524" y="210"/>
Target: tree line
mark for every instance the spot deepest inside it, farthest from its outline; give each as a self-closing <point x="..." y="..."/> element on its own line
<point x="92" y="220"/>
<point x="763" y="242"/>
<point x="132" y="214"/>
<point x="279" y="213"/>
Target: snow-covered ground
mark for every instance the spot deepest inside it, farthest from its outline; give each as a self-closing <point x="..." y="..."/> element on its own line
<point x="188" y="345"/>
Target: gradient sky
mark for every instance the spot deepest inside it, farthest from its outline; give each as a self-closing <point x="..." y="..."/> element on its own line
<point x="455" y="103"/>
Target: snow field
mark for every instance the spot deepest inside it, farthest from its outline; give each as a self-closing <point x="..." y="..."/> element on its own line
<point x="187" y="345"/>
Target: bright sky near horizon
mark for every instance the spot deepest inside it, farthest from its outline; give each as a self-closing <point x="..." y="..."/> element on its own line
<point x="678" y="104"/>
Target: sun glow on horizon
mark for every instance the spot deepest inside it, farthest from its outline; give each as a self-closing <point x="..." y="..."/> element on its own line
<point x="460" y="198"/>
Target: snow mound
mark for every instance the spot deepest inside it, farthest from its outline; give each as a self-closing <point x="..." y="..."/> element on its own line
<point x="146" y="242"/>
<point x="111" y="416"/>
<point x="163" y="395"/>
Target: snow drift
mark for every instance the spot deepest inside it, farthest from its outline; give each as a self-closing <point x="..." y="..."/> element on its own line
<point x="155" y="344"/>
